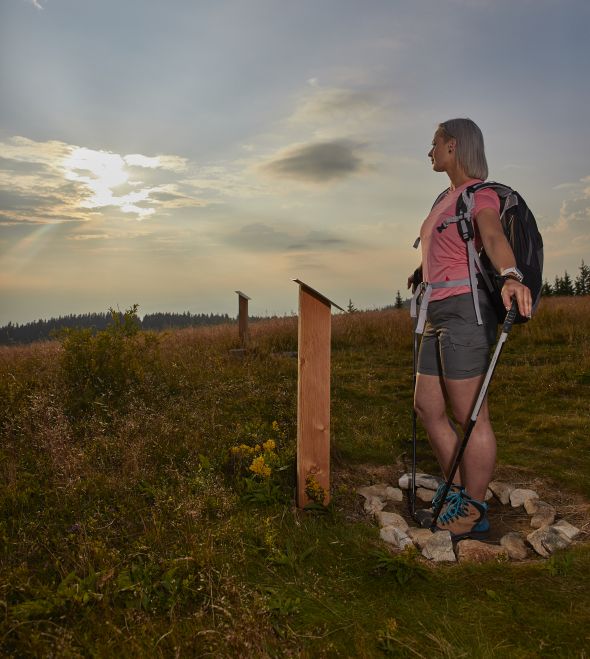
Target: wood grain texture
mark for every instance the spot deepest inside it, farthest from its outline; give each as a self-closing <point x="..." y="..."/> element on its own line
<point x="313" y="394"/>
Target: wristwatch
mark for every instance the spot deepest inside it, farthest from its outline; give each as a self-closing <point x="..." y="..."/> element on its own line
<point x="512" y="273"/>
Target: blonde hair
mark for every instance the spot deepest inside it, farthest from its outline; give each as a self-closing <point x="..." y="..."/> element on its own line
<point x="470" y="148"/>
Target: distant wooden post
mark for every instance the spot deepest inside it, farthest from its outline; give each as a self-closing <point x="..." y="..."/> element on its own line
<point x="313" y="391"/>
<point x="243" y="319"/>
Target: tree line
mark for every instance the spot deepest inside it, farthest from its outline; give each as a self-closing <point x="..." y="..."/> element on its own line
<point x="44" y="330"/>
<point x="566" y="286"/>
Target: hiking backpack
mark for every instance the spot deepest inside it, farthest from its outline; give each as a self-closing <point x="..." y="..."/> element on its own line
<point x="522" y="233"/>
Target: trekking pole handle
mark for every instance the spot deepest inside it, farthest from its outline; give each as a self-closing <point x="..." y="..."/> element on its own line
<point x="510" y="317"/>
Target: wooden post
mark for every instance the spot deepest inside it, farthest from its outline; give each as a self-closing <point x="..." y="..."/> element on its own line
<point x="313" y="392"/>
<point x="243" y="319"/>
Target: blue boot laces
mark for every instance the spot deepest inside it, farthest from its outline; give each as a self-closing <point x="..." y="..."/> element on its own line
<point x="456" y="507"/>
<point x="452" y="493"/>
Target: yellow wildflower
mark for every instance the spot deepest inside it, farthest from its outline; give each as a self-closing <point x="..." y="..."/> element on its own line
<point x="275" y="426"/>
<point x="259" y="467"/>
<point x="242" y="449"/>
<point x="269" y="445"/>
<point x="314" y="490"/>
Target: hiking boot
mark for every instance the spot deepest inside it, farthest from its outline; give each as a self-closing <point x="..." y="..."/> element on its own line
<point x="425" y="516"/>
<point x="464" y="517"/>
<point x="454" y="490"/>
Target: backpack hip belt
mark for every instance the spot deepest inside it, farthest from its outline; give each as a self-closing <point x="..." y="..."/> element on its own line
<point x="425" y="289"/>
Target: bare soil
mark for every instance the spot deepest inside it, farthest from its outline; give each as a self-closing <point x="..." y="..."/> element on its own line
<point x="503" y="518"/>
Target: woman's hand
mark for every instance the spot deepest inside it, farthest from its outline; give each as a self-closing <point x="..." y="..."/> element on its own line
<point x="522" y="294"/>
<point x="415" y="278"/>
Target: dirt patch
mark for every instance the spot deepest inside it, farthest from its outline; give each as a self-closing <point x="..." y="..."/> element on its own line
<point x="503" y="518"/>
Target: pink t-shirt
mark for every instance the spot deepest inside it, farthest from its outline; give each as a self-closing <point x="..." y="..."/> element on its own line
<point x="444" y="254"/>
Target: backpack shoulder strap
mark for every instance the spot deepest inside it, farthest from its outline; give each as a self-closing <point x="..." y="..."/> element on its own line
<point x="508" y="196"/>
<point x="441" y="196"/>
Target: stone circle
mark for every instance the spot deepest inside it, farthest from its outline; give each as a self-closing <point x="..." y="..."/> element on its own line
<point x="546" y="536"/>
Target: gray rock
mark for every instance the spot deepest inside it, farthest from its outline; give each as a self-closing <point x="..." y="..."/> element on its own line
<point x="394" y="494"/>
<point x="547" y="540"/>
<point x="544" y="514"/>
<point x="419" y="536"/>
<point x="378" y="490"/>
<point x="519" y="496"/>
<point x="424" y="494"/>
<point x="383" y="491"/>
<point x="391" y="519"/>
<point x="439" y="547"/>
<point x="566" y="529"/>
<point x="474" y="551"/>
<point x="404" y="480"/>
<point x="429" y="482"/>
<point x="395" y="537"/>
<point x="515" y="546"/>
<point x="422" y="480"/>
<point x="501" y="491"/>
<point x="374" y="505"/>
<point x="489" y="495"/>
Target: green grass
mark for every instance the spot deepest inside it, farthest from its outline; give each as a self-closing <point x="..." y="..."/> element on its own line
<point x="123" y="530"/>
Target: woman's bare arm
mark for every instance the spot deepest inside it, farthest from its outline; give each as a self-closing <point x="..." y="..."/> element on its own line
<point x="501" y="255"/>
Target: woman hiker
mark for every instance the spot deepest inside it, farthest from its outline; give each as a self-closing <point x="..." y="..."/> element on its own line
<point x="454" y="352"/>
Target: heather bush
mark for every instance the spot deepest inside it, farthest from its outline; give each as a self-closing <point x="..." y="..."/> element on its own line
<point x="102" y="370"/>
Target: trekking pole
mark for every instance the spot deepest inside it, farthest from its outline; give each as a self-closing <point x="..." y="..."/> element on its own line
<point x="412" y="488"/>
<point x="508" y="322"/>
<point x="417" y="516"/>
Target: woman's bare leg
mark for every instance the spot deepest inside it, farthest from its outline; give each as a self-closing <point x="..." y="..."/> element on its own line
<point x="479" y="459"/>
<point x="430" y="405"/>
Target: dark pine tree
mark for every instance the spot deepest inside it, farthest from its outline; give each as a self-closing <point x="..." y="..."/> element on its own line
<point x="351" y="308"/>
<point x="558" y="286"/>
<point x="568" y="286"/>
<point x="582" y="283"/>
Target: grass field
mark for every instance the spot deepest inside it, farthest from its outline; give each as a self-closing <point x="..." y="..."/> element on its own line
<point x="129" y="527"/>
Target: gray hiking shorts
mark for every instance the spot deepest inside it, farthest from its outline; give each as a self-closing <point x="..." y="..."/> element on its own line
<point x="453" y="344"/>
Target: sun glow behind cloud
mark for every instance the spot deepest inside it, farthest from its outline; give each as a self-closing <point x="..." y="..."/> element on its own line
<point x="102" y="172"/>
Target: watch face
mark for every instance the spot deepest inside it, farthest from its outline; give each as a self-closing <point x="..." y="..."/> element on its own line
<point x="513" y="271"/>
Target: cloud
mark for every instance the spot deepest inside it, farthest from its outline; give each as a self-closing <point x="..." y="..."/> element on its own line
<point x="329" y="113"/>
<point x="56" y="182"/>
<point x="260" y="237"/>
<point x="333" y="103"/>
<point x="36" y="3"/>
<point x="22" y="149"/>
<point x="167" y="163"/>
<point x="89" y="236"/>
<point x="571" y="233"/>
<point x="320" y="162"/>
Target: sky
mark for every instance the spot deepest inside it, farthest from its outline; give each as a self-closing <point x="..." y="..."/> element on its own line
<point x="170" y="153"/>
